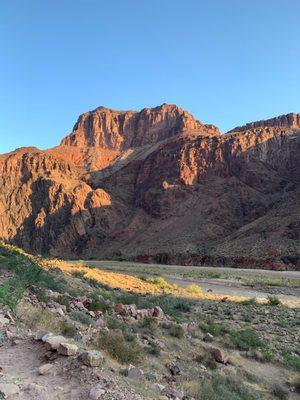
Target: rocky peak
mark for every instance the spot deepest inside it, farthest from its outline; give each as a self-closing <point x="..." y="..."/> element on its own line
<point x="291" y="120"/>
<point x="111" y="129"/>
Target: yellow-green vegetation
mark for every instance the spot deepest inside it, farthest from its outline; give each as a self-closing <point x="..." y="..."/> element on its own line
<point x="120" y="348"/>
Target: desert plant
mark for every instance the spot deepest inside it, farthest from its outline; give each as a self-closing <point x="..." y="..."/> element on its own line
<point x="99" y="305"/>
<point x="273" y="300"/>
<point x="193" y="290"/>
<point x="177" y="331"/>
<point x="81" y="317"/>
<point x="250" y="301"/>
<point x="280" y="391"/>
<point x="118" y="348"/>
<point x="225" y="388"/>
<point x="245" y="339"/>
<point x="78" y="274"/>
<point x="161" y="282"/>
<point x="63" y="301"/>
<point x="37" y="318"/>
<point x="212" y="327"/>
<point x="183" y="306"/>
<point x="68" y="329"/>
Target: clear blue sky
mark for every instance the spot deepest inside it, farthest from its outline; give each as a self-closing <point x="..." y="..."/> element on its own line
<point x="225" y="61"/>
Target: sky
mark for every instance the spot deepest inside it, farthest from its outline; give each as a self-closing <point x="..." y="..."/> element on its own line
<point x="225" y="61"/>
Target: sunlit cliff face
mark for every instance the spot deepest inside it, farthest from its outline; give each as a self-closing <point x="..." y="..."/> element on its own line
<point x="158" y="185"/>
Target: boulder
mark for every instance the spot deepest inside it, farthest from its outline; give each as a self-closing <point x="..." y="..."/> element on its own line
<point x="67" y="349"/>
<point x="53" y="342"/>
<point x="46" y="369"/>
<point x="92" y="358"/>
<point x="158" y="312"/>
<point x="40" y="334"/>
<point x="8" y="389"/>
<point x="133" y="372"/>
<point x="172" y="393"/>
<point x="121" y="309"/>
<point x="217" y="355"/>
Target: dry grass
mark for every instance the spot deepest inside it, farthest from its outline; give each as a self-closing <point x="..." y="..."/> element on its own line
<point x="38" y="318"/>
<point x="133" y="284"/>
<point x="123" y="282"/>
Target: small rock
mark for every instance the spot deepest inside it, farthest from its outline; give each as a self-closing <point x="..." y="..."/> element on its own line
<point x="92" y="358"/>
<point x="45" y="369"/>
<point x="217" y="355"/>
<point x="151" y="376"/>
<point x="172" y="393"/>
<point x="120" y="309"/>
<point x="34" y="388"/>
<point x="44" y="338"/>
<point x="100" y="323"/>
<point x="40" y="334"/>
<point x="158" y="312"/>
<point x="60" y="312"/>
<point x="67" y="349"/>
<point x="53" y="342"/>
<point x="96" y="392"/>
<point x="15" y="342"/>
<point x="174" y="369"/>
<point x="3" y="320"/>
<point x="9" y="316"/>
<point x="208" y="338"/>
<point x="8" y="389"/>
<point x="133" y="372"/>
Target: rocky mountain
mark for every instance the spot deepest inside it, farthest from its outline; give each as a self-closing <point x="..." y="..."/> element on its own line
<point x="158" y="185"/>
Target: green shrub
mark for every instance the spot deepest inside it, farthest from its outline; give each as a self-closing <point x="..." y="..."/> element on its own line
<point x="41" y="296"/>
<point x="154" y="349"/>
<point x="273" y="300"/>
<point x="114" y="323"/>
<point x="292" y="361"/>
<point x="225" y="388"/>
<point x="250" y="301"/>
<point x="68" y="329"/>
<point x="280" y="392"/>
<point x="245" y="339"/>
<point x="148" y="324"/>
<point x="80" y="316"/>
<point x="11" y="293"/>
<point x="206" y="360"/>
<point x="63" y="301"/>
<point x="118" y="348"/>
<point x="78" y="274"/>
<point x="176" y="331"/>
<point x="212" y="327"/>
<point x="99" y="305"/>
<point x="183" y="306"/>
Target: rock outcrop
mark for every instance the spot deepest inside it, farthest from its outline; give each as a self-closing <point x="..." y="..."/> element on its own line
<point x="158" y="185"/>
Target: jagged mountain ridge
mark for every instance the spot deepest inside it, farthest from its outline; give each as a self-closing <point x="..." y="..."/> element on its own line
<point x="158" y="185"/>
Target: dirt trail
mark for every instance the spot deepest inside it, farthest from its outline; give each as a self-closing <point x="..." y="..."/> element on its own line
<point x="20" y="365"/>
<point x="68" y="379"/>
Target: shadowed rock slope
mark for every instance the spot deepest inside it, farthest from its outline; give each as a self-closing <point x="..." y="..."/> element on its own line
<point x="158" y="185"/>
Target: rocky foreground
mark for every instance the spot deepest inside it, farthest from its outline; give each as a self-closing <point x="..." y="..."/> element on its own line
<point x="159" y="185"/>
<point x="65" y="335"/>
